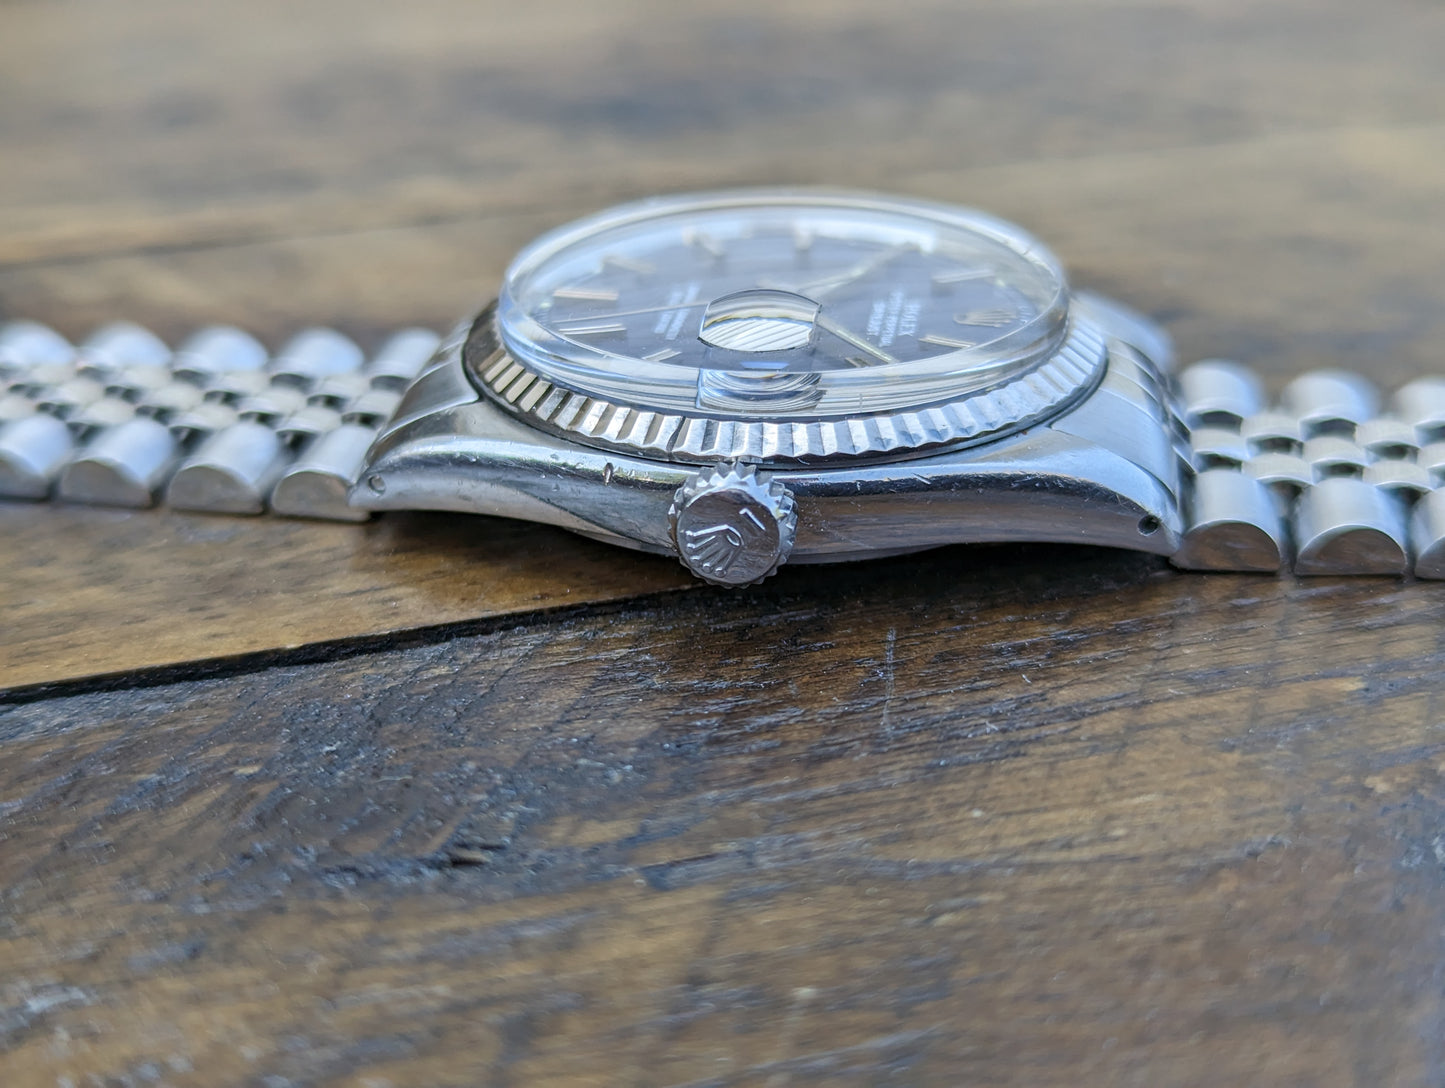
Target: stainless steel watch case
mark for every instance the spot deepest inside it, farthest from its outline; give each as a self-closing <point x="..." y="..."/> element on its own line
<point x="1328" y="478"/>
<point x="1105" y="471"/>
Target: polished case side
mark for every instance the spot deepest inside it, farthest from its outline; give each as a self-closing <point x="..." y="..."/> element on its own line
<point x="1105" y="472"/>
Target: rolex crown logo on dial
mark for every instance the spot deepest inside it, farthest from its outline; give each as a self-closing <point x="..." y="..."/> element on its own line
<point x="732" y="528"/>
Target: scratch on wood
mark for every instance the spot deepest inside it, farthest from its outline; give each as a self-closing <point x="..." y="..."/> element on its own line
<point x="889" y="644"/>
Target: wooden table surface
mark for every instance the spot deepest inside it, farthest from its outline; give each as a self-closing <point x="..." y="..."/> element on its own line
<point x="455" y="801"/>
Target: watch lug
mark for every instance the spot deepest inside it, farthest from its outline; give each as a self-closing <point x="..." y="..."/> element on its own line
<point x="1129" y="326"/>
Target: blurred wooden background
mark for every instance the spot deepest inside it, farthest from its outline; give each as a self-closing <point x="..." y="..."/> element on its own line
<point x="452" y="801"/>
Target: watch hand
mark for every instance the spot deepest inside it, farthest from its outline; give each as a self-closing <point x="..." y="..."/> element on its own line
<point x="827" y="324"/>
<point x="593" y="318"/>
<point x="815" y="289"/>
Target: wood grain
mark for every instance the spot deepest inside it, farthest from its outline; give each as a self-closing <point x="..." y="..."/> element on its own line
<point x="939" y="823"/>
<point x="117" y="591"/>
<point x="210" y="169"/>
<point x="452" y="801"/>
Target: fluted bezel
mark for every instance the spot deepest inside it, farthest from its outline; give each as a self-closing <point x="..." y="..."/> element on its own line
<point x="1053" y="385"/>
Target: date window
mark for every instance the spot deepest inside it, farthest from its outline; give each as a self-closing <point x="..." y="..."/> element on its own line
<point x="759" y="320"/>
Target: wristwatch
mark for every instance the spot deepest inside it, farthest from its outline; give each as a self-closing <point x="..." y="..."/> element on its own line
<point x="743" y="379"/>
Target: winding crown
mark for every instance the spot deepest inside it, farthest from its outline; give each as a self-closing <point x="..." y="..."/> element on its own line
<point x="732" y="528"/>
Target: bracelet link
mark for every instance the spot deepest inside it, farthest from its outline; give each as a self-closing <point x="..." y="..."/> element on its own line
<point x="217" y="426"/>
<point x="1324" y="482"/>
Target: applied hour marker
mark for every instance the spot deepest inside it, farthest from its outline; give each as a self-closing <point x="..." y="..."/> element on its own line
<point x="961" y="275"/>
<point x="992" y="319"/>
<point x="945" y="341"/>
<point x="803" y="239"/>
<point x="610" y="328"/>
<point x="704" y="242"/>
<point x="661" y="356"/>
<point x="626" y="264"/>
<point x="585" y="294"/>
